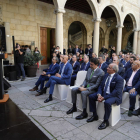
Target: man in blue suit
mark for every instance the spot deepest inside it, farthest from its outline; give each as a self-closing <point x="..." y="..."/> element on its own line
<point x="63" y="77"/>
<point x="109" y="91"/>
<point x="86" y="64"/>
<point x="75" y="50"/>
<point x="121" y="70"/>
<point x="132" y="77"/>
<point x="76" y="67"/>
<point x="52" y="70"/>
<point x="102" y="64"/>
<point x="70" y="58"/>
<point x="129" y="63"/>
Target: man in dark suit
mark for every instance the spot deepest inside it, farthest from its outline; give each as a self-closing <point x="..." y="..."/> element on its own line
<point x="52" y="70"/>
<point x="121" y="69"/>
<point x="81" y="51"/>
<point x="69" y="50"/>
<point x="89" y="51"/>
<point x="132" y="77"/>
<point x="76" y="67"/>
<point x="109" y="91"/>
<point x="102" y="63"/>
<point x="75" y="50"/>
<point x="129" y="63"/>
<point x="103" y="50"/>
<point x="70" y="58"/>
<point x="63" y="77"/>
<point x="86" y="64"/>
<point x="89" y="86"/>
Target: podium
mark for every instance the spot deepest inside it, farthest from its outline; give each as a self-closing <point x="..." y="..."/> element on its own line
<point x="3" y="97"/>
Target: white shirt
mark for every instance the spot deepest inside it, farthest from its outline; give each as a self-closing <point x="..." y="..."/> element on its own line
<point x="108" y="89"/>
<point x="63" y="68"/>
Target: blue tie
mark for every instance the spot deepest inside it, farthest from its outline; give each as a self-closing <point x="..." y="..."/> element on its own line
<point x="106" y="86"/>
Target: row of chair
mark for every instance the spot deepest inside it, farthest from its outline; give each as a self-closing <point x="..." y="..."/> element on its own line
<point x="63" y="92"/>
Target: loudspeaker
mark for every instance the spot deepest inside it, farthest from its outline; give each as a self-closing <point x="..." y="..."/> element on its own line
<point x="2" y="39"/>
<point x="6" y="84"/>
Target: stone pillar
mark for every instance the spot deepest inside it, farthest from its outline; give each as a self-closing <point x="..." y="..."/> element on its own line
<point x="59" y="29"/>
<point x="8" y="41"/>
<point x="96" y="36"/>
<point x="135" y="41"/>
<point x="138" y="47"/>
<point x="119" y="39"/>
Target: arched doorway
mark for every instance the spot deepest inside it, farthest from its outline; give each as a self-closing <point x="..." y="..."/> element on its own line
<point x="77" y="34"/>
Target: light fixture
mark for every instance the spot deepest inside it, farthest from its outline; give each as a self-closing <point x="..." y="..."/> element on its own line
<point x="128" y="27"/>
<point x="109" y="22"/>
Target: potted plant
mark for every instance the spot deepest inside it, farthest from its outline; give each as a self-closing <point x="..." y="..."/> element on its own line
<point x="30" y="61"/>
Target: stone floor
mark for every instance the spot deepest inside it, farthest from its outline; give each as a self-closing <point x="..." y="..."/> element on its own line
<point x="52" y="120"/>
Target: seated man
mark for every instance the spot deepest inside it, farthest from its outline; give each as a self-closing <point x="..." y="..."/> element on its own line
<point x="63" y="77"/>
<point x="89" y="86"/>
<point x="70" y="58"/>
<point x="76" y="67"/>
<point x="132" y="77"/>
<point x="102" y="64"/>
<point x="109" y="90"/>
<point x="52" y="70"/>
<point x="86" y="64"/>
<point x="121" y="69"/>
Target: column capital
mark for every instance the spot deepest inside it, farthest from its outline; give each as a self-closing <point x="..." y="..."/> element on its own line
<point x="96" y="20"/>
<point x="59" y="11"/>
<point x="119" y="26"/>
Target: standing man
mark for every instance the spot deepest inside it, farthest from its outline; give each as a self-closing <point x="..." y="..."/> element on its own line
<point x="75" y="50"/>
<point x="63" y="77"/>
<point x="19" y="62"/>
<point x="70" y="58"/>
<point x="102" y="63"/>
<point x="69" y="50"/>
<point x="109" y="91"/>
<point x="89" y="86"/>
<point x="89" y="51"/>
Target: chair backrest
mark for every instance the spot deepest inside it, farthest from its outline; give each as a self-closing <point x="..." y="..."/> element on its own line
<point x="124" y="84"/>
<point x="81" y="75"/>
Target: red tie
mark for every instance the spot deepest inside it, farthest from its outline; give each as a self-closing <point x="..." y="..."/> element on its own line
<point x="100" y="66"/>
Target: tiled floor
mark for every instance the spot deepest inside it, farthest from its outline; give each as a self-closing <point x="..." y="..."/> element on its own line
<point x="52" y="120"/>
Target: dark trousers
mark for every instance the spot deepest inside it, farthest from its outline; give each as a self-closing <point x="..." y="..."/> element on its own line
<point x="132" y="97"/>
<point x="41" y="81"/>
<point x="19" y="69"/>
<point x="52" y="81"/>
<point x="107" y="105"/>
<point x="73" y="78"/>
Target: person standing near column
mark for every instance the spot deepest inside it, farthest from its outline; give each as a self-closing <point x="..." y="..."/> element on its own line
<point x="19" y="62"/>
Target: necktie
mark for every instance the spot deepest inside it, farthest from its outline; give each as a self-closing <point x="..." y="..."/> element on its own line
<point x="100" y="66"/>
<point x="85" y="67"/>
<point x="52" y="67"/>
<point x="106" y="86"/>
<point x="90" y="77"/>
<point x="63" y="70"/>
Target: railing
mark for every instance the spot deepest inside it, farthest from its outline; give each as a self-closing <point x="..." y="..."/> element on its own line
<point x="76" y="36"/>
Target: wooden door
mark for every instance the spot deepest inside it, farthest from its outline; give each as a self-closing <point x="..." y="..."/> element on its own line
<point x="43" y="41"/>
<point x="52" y="39"/>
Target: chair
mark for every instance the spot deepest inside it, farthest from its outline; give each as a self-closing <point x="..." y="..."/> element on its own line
<point x="79" y="80"/>
<point x="115" y="115"/>
<point x="61" y="91"/>
<point x="125" y="101"/>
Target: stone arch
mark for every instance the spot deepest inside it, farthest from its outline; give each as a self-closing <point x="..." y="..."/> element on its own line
<point x="134" y="19"/>
<point x="125" y="39"/>
<point x="115" y="8"/>
<point x="101" y="38"/>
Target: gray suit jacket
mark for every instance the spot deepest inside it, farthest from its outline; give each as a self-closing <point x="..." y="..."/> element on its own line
<point x="95" y="81"/>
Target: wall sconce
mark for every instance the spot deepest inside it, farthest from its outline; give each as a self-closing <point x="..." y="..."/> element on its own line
<point x="109" y="22"/>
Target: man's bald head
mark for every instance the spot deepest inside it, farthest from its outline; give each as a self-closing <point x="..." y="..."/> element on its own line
<point x="136" y="65"/>
<point x="112" y="68"/>
<point x="65" y="59"/>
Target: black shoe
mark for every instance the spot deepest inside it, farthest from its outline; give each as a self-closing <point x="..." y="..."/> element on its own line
<point x="71" y="110"/>
<point x="22" y="79"/>
<point x="82" y="116"/>
<point x="92" y="119"/>
<point x="48" y="99"/>
<point x="103" y="125"/>
<point x="130" y="113"/>
<point x="136" y="112"/>
<point x="5" y="91"/>
<point x="41" y="92"/>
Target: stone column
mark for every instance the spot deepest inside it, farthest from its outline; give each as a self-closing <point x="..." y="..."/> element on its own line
<point x="135" y="41"/>
<point x="138" y="48"/>
<point x="96" y="36"/>
<point x="59" y="29"/>
<point x="119" y="39"/>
